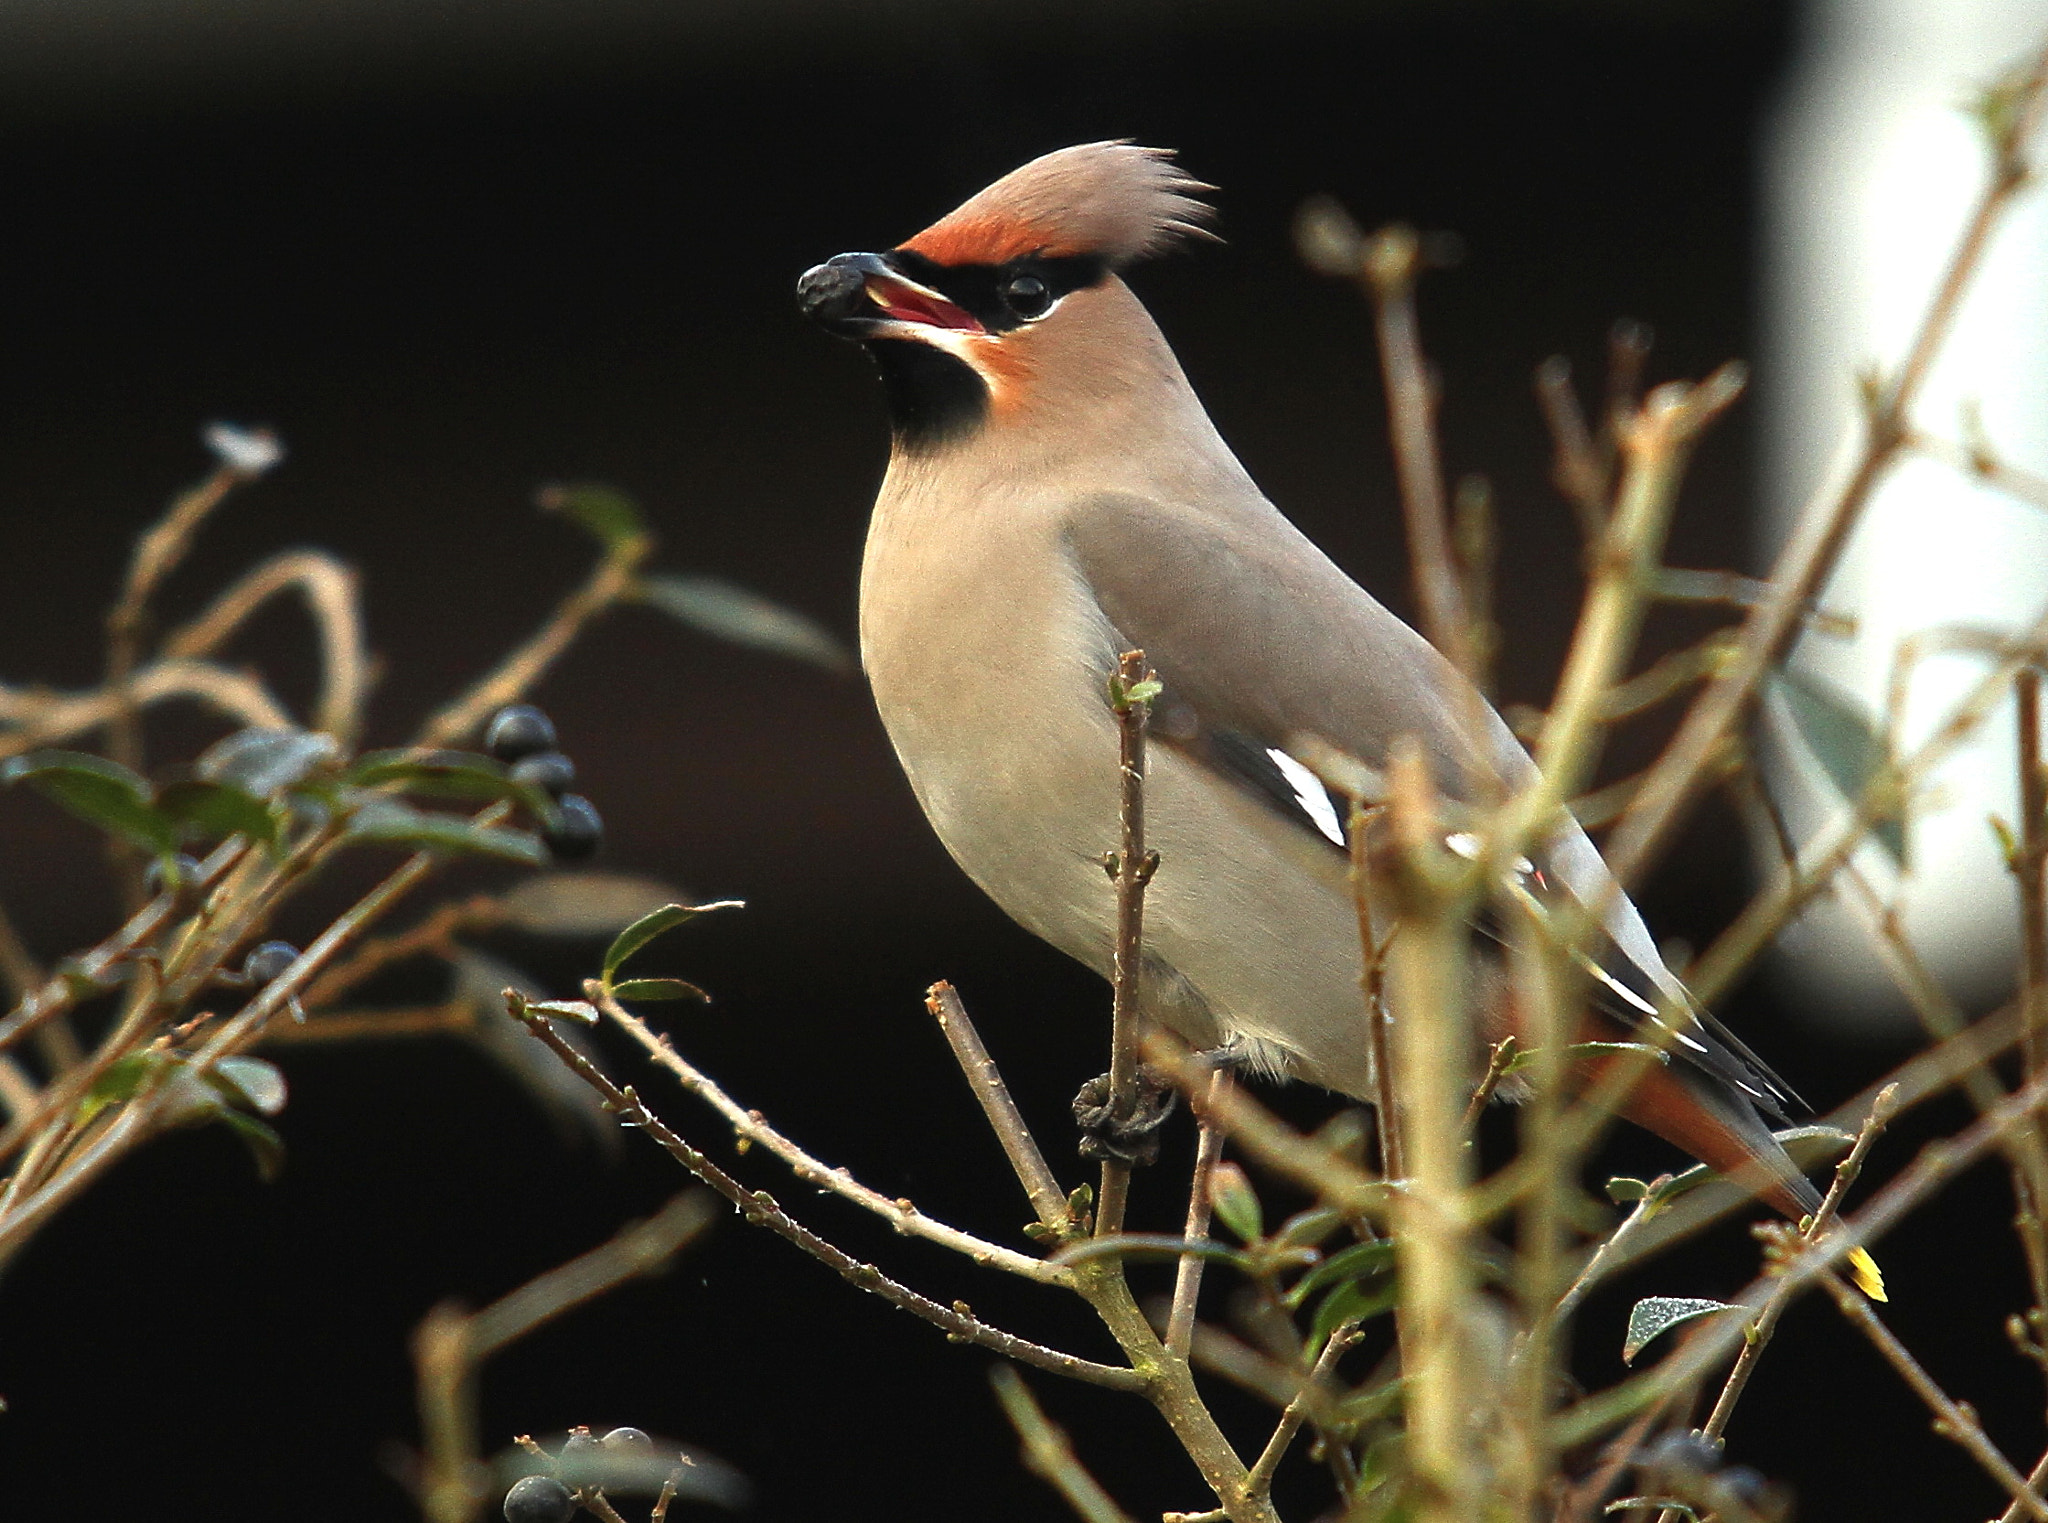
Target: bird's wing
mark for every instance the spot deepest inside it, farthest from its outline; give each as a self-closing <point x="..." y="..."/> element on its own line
<point x="1258" y="638"/>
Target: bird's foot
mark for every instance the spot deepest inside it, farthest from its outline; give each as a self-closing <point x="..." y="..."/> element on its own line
<point x="1133" y="1138"/>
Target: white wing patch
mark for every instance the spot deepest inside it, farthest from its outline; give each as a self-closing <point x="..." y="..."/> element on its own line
<point x="1637" y="1001"/>
<point x="1310" y="793"/>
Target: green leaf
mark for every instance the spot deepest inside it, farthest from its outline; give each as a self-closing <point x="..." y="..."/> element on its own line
<point x="721" y="608"/>
<point x="1306" y="1229"/>
<point x="1235" y="1202"/>
<point x="656" y="989"/>
<point x="1847" y="743"/>
<point x="1653" y="1316"/>
<point x="266" y="762"/>
<point x="1353" y="1301"/>
<point x="98" y="791"/>
<point x="1651" y="1504"/>
<point x="609" y="515"/>
<point x="265" y="1146"/>
<point x="447" y="774"/>
<point x="214" y="811"/>
<point x="1147" y="1245"/>
<point x="120" y="1083"/>
<point x="250" y="1083"/>
<point x="1624" y="1191"/>
<point x="649" y="926"/>
<point x="578" y="1010"/>
<point x="1359" y="1261"/>
<point x="391" y="823"/>
<point x="582" y="905"/>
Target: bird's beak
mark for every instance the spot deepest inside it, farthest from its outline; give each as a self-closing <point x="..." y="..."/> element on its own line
<point x="864" y="296"/>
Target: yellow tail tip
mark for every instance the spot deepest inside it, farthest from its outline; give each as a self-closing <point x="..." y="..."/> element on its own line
<point x="1868" y="1277"/>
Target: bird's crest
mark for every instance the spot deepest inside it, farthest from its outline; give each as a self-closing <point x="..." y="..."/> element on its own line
<point x="1112" y="201"/>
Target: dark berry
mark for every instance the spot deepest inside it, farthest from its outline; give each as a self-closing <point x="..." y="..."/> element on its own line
<point x="269" y="960"/>
<point x="1745" y="1485"/>
<point x="539" y="1499"/>
<point x="550" y="771"/>
<point x="630" y="1442"/>
<point x="575" y="831"/>
<point x="581" y="1461"/>
<point x="174" y="873"/>
<point x="517" y="731"/>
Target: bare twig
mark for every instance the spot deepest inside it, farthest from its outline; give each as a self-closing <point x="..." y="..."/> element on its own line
<point x="1979" y="462"/>
<point x="1810" y="555"/>
<point x="2030" y="868"/>
<point x="610" y="582"/>
<point x="1131" y="868"/>
<point x="750" y="1125"/>
<point x="434" y="936"/>
<point x="1040" y="1185"/>
<point x="1260" y="1479"/>
<point x="1315" y="1167"/>
<point x="1576" y="468"/>
<point x="1952" y="1419"/>
<point x="1758" y="1334"/>
<point x="32" y="717"/>
<point x="157" y="553"/>
<point x="329" y="588"/>
<point x="135" y="1121"/>
<point x="758" y="1207"/>
<point x="451" y="1344"/>
<point x="1937" y="1164"/>
<point x="1047" y="1452"/>
<point x="1187" y="1277"/>
<point x="1393" y="259"/>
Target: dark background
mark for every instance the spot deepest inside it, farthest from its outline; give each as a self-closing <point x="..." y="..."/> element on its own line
<point x="451" y="256"/>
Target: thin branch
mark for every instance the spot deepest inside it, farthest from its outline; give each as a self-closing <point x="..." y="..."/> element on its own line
<point x="1981" y="464"/>
<point x="1259" y="1480"/>
<point x="610" y="582"/>
<point x="759" y="1208"/>
<point x="1040" y="1185"/>
<point x="2030" y="868"/>
<point x="643" y="1248"/>
<point x="451" y="1344"/>
<point x="1730" y="589"/>
<point x="1269" y="1141"/>
<point x="35" y="717"/>
<point x="1952" y="1419"/>
<point x="751" y="1126"/>
<point x="1759" y="1334"/>
<point x="1393" y="258"/>
<point x="330" y="591"/>
<point x="1576" y="468"/>
<point x="1810" y="555"/>
<point x="135" y="1121"/>
<point x="157" y="553"/>
<point x="1131" y="869"/>
<point x="1048" y="1454"/>
<point x="1937" y="1163"/>
<point x="433" y="936"/>
<point x="1187" y="1277"/>
<point x="95" y="970"/>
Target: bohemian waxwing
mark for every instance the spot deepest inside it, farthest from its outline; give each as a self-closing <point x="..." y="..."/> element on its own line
<point x="1056" y="495"/>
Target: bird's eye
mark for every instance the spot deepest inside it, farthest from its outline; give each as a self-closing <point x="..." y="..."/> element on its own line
<point x="1028" y="296"/>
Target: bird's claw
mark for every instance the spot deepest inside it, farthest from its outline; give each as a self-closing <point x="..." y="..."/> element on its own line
<point x="1130" y="1139"/>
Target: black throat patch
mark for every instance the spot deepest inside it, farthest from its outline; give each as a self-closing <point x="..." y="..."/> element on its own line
<point x="934" y="398"/>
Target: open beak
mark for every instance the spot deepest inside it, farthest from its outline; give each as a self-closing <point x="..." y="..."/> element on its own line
<point x="863" y="295"/>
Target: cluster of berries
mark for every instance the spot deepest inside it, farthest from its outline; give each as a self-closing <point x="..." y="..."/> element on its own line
<point x="584" y="1462"/>
<point x="523" y="738"/>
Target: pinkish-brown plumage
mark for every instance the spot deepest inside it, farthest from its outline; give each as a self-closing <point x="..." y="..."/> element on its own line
<point x="1114" y="201"/>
